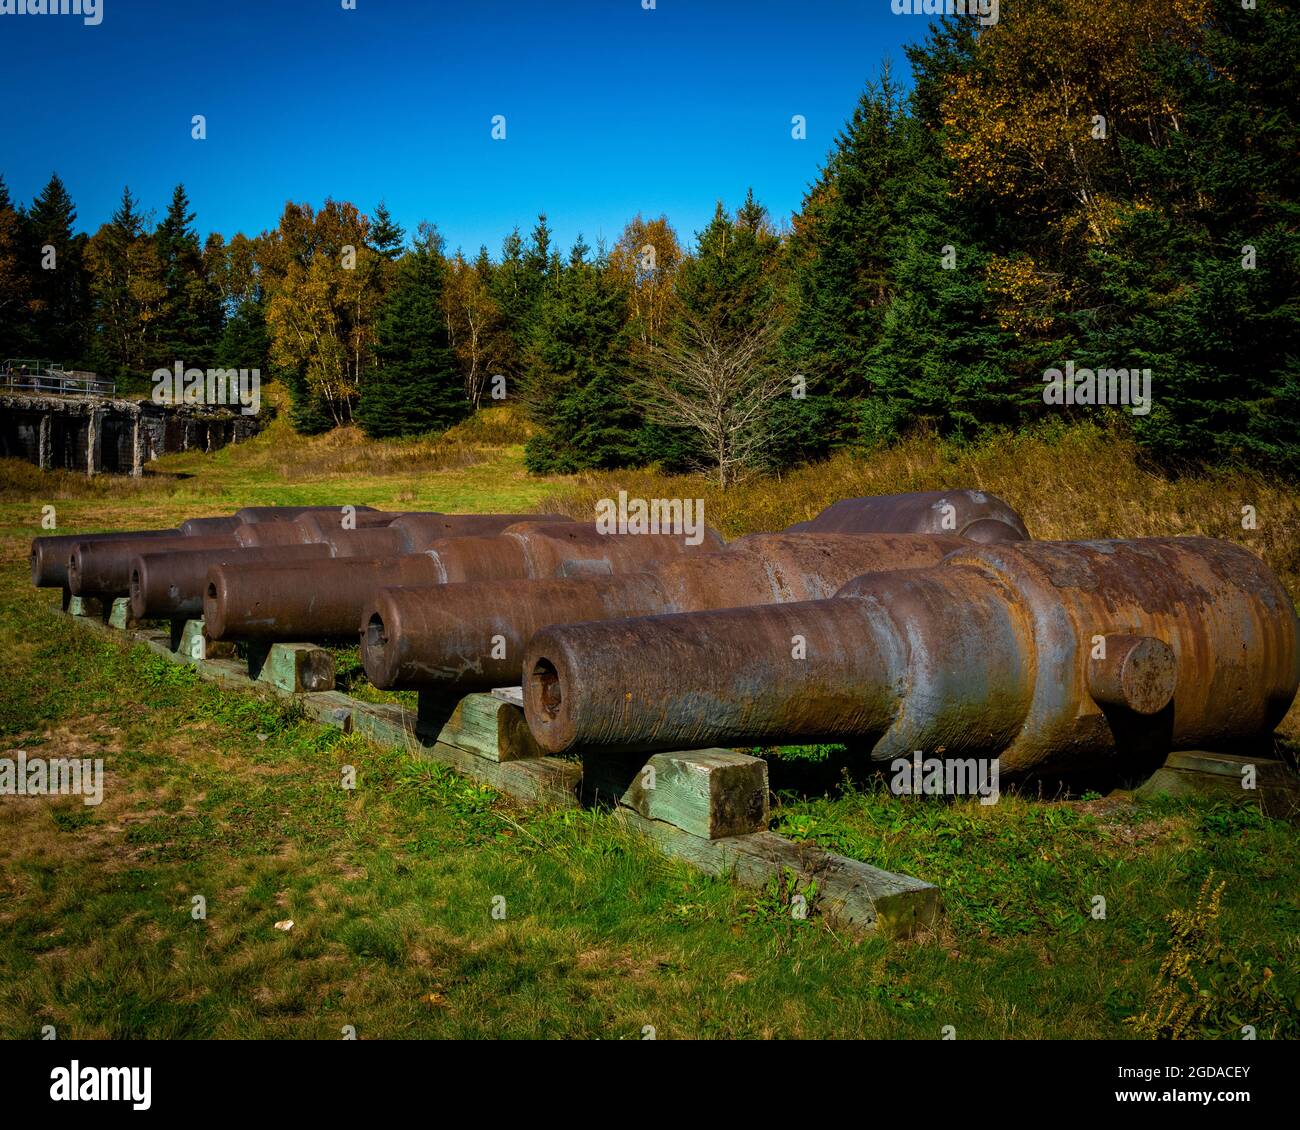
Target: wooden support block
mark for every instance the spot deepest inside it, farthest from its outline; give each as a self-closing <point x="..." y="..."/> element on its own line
<point x="1262" y="781"/>
<point x="119" y="615"/>
<point x="480" y="724"/>
<point x="515" y="741"/>
<point x="67" y="598"/>
<point x="92" y="608"/>
<point x="707" y="792"/>
<point x="298" y="667"/>
<point x="193" y="643"/>
<point x="860" y="896"/>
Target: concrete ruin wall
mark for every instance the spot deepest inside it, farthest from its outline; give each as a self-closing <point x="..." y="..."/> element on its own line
<point x="117" y="437"/>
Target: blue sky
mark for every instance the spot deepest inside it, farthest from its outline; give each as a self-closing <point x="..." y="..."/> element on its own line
<point x="610" y="109"/>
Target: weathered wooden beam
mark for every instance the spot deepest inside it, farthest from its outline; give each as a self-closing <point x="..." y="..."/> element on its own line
<point x="856" y="894"/>
<point x="543" y="780"/>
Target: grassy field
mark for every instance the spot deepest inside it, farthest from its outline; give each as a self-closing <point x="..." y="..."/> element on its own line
<point x="391" y="885"/>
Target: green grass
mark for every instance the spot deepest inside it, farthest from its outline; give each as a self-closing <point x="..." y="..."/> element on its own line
<point x="237" y="798"/>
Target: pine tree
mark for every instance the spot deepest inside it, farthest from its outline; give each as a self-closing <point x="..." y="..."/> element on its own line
<point x="838" y="272"/>
<point x="190" y="325"/>
<point x="941" y="358"/>
<point x="416" y="385"/>
<point x="386" y="236"/>
<point x="576" y="383"/>
<point x="127" y="289"/>
<point x="15" y="278"/>
<point x="726" y="291"/>
<point x="1201" y="287"/>
<point x="58" y="282"/>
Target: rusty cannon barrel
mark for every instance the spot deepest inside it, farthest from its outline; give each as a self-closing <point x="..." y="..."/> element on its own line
<point x="1050" y="656"/>
<point x="251" y="515"/>
<point x="170" y="586"/>
<point x="49" y="554"/>
<point x="103" y="568"/>
<point x="219" y="525"/>
<point x="971" y="514"/>
<point x="421" y="529"/>
<point x="471" y="637"/>
<point x="325" y="600"/>
<point x="369" y="531"/>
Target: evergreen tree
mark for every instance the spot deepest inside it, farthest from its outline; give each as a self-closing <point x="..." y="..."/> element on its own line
<point x="190" y="325"/>
<point x="245" y="342"/>
<point x="416" y="384"/>
<point x="127" y="290"/>
<point x="729" y="283"/>
<point x="576" y="382"/>
<point x="726" y="290"/>
<point x="15" y="278"/>
<point x="941" y="358"/>
<point x="1202" y="287"/>
<point x="839" y="265"/>
<point x="839" y="248"/>
<point x="386" y="236"/>
<point x="57" y="276"/>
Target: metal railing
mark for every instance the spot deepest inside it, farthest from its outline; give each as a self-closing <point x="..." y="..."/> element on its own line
<point x="19" y="374"/>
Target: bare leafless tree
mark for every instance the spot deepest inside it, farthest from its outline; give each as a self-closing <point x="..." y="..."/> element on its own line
<point x="721" y="383"/>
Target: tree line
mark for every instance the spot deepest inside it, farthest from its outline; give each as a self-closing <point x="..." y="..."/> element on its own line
<point x="1112" y="187"/>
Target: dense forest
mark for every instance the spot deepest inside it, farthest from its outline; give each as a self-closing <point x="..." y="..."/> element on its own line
<point x="1112" y="186"/>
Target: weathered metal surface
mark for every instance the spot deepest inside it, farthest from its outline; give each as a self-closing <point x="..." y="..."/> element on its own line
<point x="371" y="540"/>
<point x="470" y="636"/>
<point x="314" y="600"/>
<point x="291" y="602"/>
<point x="169" y="586"/>
<point x="971" y="514"/>
<point x="422" y="529"/>
<point x="254" y="514"/>
<point x="49" y="555"/>
<point x="225" y="525"/>
<point x="103" y="568"/>
<point x="992" y="653"/>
